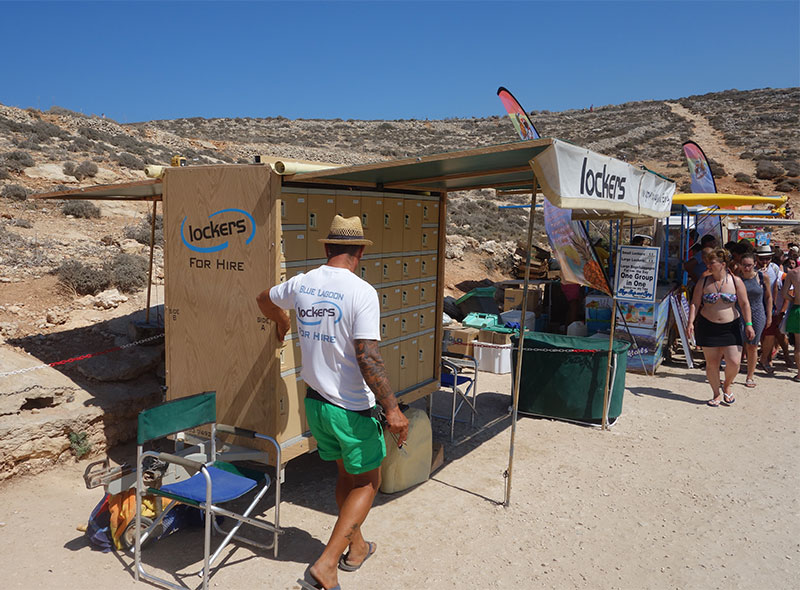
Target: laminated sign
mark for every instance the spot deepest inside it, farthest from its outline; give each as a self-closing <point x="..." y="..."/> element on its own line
<point x="637" y="269"/>
<point x="576" y="178"/>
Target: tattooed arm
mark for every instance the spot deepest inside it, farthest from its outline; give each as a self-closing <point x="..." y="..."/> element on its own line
<point x="374" y="373"/>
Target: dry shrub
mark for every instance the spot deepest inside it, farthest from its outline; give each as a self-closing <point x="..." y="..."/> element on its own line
<point x="82" y="209"/>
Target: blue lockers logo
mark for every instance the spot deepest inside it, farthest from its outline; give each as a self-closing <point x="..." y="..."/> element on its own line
<point x="319" y="310"/>
<point x="233" y="224"/>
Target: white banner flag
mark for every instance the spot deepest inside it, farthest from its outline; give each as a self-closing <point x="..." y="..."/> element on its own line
<point x="576" y="178"/>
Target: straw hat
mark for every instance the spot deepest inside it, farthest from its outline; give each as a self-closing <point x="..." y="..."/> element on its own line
<point x="346" y="231"/>
<point x="764" y="250"/>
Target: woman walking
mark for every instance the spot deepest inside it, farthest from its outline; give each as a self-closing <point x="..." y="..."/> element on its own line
<point x="759" y="295"/>
<point x="719" y="323"/>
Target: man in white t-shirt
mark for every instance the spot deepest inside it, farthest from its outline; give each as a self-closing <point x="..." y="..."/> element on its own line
<point x="338" y="318"/>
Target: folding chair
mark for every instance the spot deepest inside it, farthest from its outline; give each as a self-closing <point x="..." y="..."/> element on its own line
<point x="460" y="377"/>
<point x="208" y="482"/>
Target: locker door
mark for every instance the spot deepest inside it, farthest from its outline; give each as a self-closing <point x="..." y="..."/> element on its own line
<point x="412" y="225"/>
<point x="321" y="209"/>
<point x="425" y="358"/>
<point x="372" y="222"/>
<point x="370" y="271"/>
<point x="409" y="295"/>
<point x="392" y="225"/>
<point x="411" y="267"/>
<point x="391" y="269"/>
<point x="409" y="365"/>
<point x="290" y="356"/>
<point x="390" y="299"/>
<point x="294" y="208"/>
<point x="430" y="238"/>
<point x="427" y="265"/>
<point x="409" y="322"/>
<point x="390" y="327"/>
<point x="348" y="205"/>
<point x="430" y="211"/>
<point x="391" y="360"/>
<point x="427" y="292"/>
<point x="291" y="407"/>
<point x="293" y="245"/>
<point x="427" y="318"/>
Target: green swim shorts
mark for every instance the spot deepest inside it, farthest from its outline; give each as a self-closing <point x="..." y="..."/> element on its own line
<point x="793" y="320"/>
<point x="349" y="436"/>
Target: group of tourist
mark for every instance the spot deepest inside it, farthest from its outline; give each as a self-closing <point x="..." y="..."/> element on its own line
<point x="743" y="297"/>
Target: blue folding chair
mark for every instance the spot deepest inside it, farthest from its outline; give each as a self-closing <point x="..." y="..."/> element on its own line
<point x="209" y="483"/>
<point x="460" y="377"/>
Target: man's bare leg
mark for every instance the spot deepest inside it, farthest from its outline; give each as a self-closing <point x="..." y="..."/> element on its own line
<point x="356" y="502"/>
<point x="797" y="353"/>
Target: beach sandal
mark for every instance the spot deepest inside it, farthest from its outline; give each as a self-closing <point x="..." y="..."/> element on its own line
<point x="728" y="398"/>
<point x="766" y="368"/>
<point x="309" y="582"/>
<point x="750" y="383"/>
<point x="796" y="378"/>
<point x="714" y="403"/>
<point x="346" y="567"/>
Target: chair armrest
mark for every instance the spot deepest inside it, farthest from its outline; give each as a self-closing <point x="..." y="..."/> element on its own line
<point x="182" y="461"/>
<point x="236" y="431"/>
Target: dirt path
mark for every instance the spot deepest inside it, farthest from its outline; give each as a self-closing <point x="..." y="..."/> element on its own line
<point x="676" y="495"/>
<point x="716" y="148"/>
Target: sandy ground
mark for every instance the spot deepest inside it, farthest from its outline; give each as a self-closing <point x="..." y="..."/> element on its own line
<point x="676" y="495"/>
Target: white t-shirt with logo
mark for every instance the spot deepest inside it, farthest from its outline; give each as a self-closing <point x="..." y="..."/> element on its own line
<point x="334" y="308"/>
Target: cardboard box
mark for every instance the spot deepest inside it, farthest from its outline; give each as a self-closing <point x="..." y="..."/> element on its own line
<point x="500" y="338"/>
<point x="512" y="299"/>
<point x="459" y="340"/>
<point x="486" y="336"/>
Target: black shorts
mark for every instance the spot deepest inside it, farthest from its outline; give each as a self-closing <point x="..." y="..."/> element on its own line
<point x="711" y="334"/>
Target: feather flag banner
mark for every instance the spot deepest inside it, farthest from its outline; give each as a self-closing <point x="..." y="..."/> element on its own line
<point x="522" y="123"/>
<point x="699" y="170"/>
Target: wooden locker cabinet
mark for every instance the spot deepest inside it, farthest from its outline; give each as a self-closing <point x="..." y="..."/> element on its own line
<point x="232" y="231"/>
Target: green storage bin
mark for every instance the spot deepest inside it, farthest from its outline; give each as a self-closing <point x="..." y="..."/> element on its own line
<point x="480" y="320"/>
<point x="478" y="300"/>
<point x="569" y="385"/>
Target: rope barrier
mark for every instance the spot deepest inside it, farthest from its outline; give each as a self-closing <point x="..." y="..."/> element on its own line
<point x="82" y="357"/>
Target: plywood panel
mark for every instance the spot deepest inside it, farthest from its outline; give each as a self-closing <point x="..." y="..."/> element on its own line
<point x="220" y="231"/>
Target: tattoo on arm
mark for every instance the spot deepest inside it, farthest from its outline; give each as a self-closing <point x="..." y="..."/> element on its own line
<point x="374" y="372"/>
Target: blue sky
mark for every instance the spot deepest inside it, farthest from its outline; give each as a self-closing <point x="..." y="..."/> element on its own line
<point x="136" y="61"/>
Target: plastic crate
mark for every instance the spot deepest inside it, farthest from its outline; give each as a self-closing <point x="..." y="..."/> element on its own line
<point x="480" y="320"/>
<point x="495" y="358"/>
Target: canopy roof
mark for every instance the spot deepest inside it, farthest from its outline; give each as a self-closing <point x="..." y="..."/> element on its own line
<point x="507" y="167"/>
<point x="142" y="190"/>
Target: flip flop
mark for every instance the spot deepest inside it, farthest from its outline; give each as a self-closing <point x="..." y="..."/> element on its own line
<point x="346" y="567"/>
<point x="796" y="378"/>
<point x="309" y="582"/>
<point x="728" y="398"/>
<point x="750" y="383"/>
<point x="714" y="403"/>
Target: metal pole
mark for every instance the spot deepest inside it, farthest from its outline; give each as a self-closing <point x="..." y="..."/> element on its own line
<point x="608" y="368"/>
<point x="150" y="269"/>
<point x="520" y="346"/>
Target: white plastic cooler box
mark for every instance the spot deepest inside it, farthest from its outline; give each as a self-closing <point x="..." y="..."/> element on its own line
<point x="493" y="358"/>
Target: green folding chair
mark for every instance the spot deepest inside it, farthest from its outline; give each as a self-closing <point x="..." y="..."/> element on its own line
<point x="208" y="483"/>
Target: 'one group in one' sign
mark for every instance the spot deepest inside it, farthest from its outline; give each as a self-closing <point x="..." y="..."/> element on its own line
<point x="637" y="269"/>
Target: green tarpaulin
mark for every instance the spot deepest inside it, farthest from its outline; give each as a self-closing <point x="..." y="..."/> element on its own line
<point x="561" y="378"/>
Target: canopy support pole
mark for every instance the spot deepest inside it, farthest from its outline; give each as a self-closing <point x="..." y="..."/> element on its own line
<point x="520" y="346"/>
<point x="150" y="267"/>
<point x="608" y="365"/>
